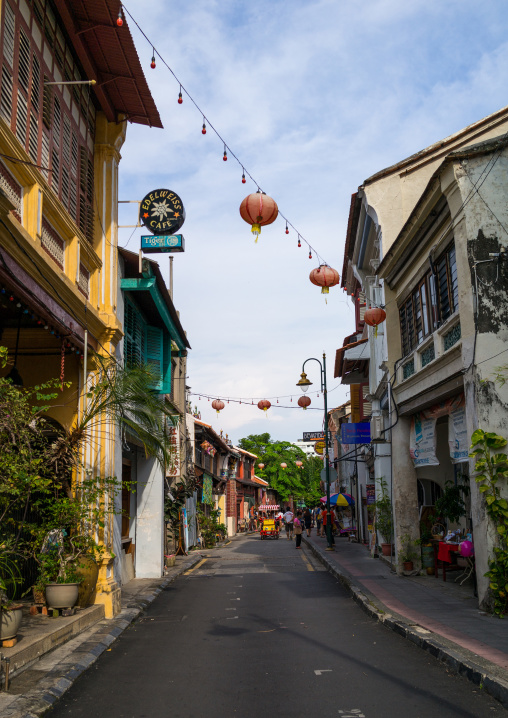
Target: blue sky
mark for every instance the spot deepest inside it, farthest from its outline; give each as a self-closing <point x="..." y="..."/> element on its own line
<point x="313" y="97"/>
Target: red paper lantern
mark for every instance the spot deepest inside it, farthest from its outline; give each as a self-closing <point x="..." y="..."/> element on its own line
<point x="218" y="405"/>
<point x="261" y="466"/>
<point x="264" y="404"/>
<point x="258" y="209"/>
<point x="324" y="277"/>
<point x="304" y="402"/>
<point x="283" y="466"/>
<point x="374" y="316"/>
<point x="299" y="464"/>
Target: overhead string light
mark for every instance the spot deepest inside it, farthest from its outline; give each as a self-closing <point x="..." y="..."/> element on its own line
<point x="228" y="152"/>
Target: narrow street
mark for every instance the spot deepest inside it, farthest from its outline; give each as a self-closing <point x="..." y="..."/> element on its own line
<point x="258" y="628"/>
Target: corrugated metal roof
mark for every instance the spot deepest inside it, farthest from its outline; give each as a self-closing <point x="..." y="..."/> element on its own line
<point x="108" y="55"/>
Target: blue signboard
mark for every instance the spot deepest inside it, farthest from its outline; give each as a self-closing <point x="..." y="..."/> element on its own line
<point x="355" y="433"/>
<point x="161" y="243"/>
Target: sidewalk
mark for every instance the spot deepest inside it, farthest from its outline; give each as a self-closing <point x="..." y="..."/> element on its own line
<point x="44" y="679"/>
<point x="440" y="617"/>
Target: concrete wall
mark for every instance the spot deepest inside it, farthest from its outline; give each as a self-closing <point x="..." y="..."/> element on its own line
<point x="150" y="519"/>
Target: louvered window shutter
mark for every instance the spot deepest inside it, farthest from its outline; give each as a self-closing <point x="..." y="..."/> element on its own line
<point x="154" y="354"/>
<point x="166" y="365"/>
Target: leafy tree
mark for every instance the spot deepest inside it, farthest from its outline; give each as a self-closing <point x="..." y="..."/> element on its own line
<point x="300" y="483"/>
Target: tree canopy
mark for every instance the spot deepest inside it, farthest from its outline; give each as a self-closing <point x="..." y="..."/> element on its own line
<point x="302" y="483"/>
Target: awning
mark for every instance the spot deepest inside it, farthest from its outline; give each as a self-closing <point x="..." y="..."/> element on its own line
<point x="269" y="507"/>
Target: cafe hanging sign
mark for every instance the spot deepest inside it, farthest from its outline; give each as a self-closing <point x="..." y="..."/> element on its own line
<point x="163" y="214"/>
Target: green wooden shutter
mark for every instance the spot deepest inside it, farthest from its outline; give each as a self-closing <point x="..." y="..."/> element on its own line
<point x="134" y="336"/>
<point x="166" y="364"/>
<point x="154" y="354"/>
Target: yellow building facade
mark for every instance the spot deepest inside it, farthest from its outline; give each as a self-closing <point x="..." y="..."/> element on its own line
<point x="60" y="143"/>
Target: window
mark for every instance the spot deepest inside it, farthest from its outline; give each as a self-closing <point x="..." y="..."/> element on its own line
<point x="147" y="345"/>
<point x="52" y="124"/>
<point x="430" y="303"/>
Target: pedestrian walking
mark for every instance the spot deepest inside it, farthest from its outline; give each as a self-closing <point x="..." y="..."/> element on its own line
<point x="307" y="520"/>
<point x="288" y="521"/>
<point x="319" y="520"/>
<point x="298" y="528"/>
<point x="325" y="519"/>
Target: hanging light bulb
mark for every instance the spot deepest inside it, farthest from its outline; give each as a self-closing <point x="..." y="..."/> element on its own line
<point x="152" y="64"/>
<point x="119" y="19"/>
<point x="243" y="176"/>
<point x="299" y="243"/>
<point x="225" y="157"/>
<point x="180" y="98"/>
<point x="203" y="131"/>
<point x="310" y="254"/>
<point x="287" y="228"/>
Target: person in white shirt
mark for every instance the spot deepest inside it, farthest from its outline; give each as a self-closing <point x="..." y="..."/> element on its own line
<point x="288" y="520"/>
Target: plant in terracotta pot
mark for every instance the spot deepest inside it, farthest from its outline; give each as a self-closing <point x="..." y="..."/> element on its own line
<point x="384" y="519"/>
<point x="408" y="552"/>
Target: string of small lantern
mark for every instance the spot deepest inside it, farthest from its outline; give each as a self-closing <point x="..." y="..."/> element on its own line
<point x="263" y="404"/>
<point x="322" y="278"/>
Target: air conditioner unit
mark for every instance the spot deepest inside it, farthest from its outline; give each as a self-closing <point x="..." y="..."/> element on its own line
<point x="377" y="435"/>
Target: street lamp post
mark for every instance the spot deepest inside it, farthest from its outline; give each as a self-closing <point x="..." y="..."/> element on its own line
<point x="304" y="384"/>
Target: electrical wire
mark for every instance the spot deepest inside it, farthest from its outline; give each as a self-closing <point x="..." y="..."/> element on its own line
<point x="209" y="124"/>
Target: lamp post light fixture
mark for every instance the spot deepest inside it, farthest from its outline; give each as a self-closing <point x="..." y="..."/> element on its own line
<point x="304" y="384"/>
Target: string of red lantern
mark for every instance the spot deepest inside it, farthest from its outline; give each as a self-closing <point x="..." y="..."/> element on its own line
<point x="206" y="123"/>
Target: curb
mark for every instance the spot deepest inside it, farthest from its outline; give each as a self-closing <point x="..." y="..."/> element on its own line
<point x="97" y="639"/>
<point x="454" y="659"/>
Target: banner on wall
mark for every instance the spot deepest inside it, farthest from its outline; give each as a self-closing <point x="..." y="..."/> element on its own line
<point x="457" y="436"/>
<point x="422" y="441"/>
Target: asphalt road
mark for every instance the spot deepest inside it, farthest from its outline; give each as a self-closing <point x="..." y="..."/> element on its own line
<point x="261" y="630"/>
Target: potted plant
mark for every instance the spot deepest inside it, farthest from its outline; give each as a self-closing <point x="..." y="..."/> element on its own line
<point x="427" y="550"/>
<point x="408" y="553"/>
<point x="384" y="520"/>
<point x="450" y="505"/>
<point x="10" y="611"/>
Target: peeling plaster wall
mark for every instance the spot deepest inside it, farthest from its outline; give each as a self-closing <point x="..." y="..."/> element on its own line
<point x="481" y="230"/>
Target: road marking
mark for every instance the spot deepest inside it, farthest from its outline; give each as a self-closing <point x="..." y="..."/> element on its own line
<point x="307" y="562"/>
<point x="235" y="599"/>
<point x="353" y="713"/>
<point x="323" y="670"/>
<point x="230" y="609"/>
<point x="231" y="618"/>
<point x="195" y="567"/>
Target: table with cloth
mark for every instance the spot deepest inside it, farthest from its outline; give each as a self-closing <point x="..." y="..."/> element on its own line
<point x="444" y="555"/>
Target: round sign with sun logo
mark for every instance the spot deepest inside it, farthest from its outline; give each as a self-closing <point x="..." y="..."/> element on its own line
<point x="162" y="212"/>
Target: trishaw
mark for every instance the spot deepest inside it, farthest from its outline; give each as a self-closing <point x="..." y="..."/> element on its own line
<point x="269" y="529"/>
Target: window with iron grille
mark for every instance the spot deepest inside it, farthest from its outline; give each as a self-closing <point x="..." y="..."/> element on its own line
<point x="426" y="308"/>
<point x="54" y="132"/>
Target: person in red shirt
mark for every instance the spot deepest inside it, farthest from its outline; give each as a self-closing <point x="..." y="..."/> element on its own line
<point x="324" y="515"/>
